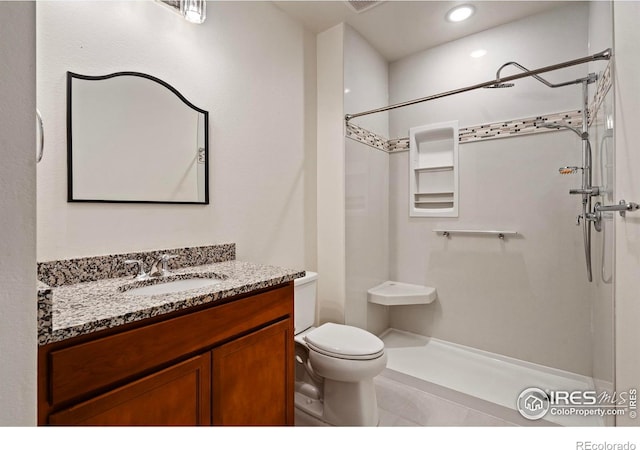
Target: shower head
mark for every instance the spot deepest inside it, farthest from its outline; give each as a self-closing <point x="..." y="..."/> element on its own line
<point x="499" y="85"/>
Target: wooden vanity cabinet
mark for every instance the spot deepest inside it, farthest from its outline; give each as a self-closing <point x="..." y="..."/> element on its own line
<point x="247" y="381"/>
<point x="227" y="364"/>
<point x="177" y="395"/>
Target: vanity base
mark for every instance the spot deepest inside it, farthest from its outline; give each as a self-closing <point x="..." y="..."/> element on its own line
<point x="226" y="364"/>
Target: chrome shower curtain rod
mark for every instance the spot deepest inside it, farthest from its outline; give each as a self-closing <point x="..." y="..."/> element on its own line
<point x="606" y="54"/>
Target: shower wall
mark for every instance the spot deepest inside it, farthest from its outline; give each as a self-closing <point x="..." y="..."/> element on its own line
<point x="601" y="132"/>
<point x="366" y="184"/>
<point x="525" y="297"/>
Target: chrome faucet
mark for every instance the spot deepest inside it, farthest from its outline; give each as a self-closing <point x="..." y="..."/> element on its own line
<point x="160" y="268"/>
<point x="141" y="275"/>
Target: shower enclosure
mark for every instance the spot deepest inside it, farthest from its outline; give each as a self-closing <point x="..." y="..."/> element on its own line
<point x="517" y="311"/>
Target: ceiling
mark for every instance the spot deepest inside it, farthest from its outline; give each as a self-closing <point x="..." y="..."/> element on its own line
<point x="399" y="28"/>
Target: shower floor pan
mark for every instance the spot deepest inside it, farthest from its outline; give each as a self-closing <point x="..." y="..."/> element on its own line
<point x="478" y="379"/>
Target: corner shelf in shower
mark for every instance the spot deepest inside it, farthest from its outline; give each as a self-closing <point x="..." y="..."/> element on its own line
<point x="394" y="293"/>
<point x="433" y="156"/>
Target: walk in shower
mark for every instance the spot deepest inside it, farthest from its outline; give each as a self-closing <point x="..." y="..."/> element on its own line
<point x="524" y="296"/>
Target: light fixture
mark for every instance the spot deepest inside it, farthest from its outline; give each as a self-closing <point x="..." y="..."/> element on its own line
<point x="194" y="11"/>
<point x="460" y="13"/>
<point x="478" y="53"/>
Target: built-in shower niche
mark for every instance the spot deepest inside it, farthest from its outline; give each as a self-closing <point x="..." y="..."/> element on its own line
<point x="433" y="170"/>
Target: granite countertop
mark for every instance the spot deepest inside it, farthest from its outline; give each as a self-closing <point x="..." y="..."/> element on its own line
<point x="82" y="308"/>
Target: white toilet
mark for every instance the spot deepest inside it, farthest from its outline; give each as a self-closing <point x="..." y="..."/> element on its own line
<point x="335" y="366"/>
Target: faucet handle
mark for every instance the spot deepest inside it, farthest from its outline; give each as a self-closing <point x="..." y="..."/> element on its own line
<point x="141" y="275"/>
<point x="165" y="259"/>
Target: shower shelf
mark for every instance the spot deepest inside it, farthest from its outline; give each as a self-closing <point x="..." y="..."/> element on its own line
<point x="433" y="173"/>
<point x="394" y="293"/>
<point x="433" y="200"/>
<point x="423" y="196"/>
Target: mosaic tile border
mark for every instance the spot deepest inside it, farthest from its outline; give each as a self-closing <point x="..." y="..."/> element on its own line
<point x="518" y="126"/>
<point x="80" y="270"/>
<point x="367" y="137"/>
<point x="602" y="88"/>
<point x="504" y="129"/>
<point x="398" y="145"/>
<point x="494" y="130"/>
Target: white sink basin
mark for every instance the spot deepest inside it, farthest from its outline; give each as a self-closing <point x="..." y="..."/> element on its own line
<point x="392" y="293"/>
<point x="172" y="287"/>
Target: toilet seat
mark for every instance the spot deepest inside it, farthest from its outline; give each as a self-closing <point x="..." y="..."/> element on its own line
<point x="344" y="342"/>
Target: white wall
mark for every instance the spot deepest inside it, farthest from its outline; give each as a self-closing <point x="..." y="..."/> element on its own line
<point x="248" y="65"/>
<point x="331" y="179"/>
<point x="525" y="297"/>
<point x="627" y="141"/>
<point x="18" y="320"/>
<point x="367" y="184"/>
<point x="310" y="95"/>
<point x="367" y="225"/>
<point x="366" y="82"/>
<point x="534" y="42"/>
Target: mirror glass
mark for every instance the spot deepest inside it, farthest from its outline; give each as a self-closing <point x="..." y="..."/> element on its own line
<point x="132" y="137"/>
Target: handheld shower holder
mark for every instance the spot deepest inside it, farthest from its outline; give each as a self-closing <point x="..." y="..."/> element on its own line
<point x="592" y="191"/>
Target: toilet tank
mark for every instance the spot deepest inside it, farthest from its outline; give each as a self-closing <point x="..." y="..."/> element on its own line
<point x="304" y="294"/>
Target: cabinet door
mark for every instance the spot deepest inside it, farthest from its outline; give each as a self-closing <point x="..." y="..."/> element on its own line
<point x="253" y="378"/>
<point x="178" y="395"/>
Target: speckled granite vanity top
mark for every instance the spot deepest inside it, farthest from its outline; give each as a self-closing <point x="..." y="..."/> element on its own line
<point x="73" y="309"/>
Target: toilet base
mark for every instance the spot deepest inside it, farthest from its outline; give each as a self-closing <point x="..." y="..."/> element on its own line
<point x="305" y="420"/>
<point x="349" y="404"/>
<point x="308" y="412"/>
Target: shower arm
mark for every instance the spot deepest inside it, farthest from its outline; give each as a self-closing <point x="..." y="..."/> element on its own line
<point x="604" y="55"/>
<point x="591" y="78"/>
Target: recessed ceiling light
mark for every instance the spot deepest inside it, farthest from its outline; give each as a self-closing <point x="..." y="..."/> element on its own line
<point x="478" y="53"/>
<point x="460" y="13"/>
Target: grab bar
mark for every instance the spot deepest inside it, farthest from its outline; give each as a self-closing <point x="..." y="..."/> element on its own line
<point x="41" y="125"/>
<point x="500" y="233"/>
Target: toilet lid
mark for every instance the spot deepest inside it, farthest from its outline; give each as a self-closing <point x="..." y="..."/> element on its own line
<point x="344" y="341"/>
